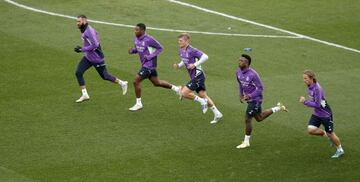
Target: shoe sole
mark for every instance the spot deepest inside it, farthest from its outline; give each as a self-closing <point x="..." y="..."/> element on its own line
<point x="216" y="121"/>
<point x="337" y="156"/>
<point x="82" y="101"/>
<point x="242" y="147"/>
<point x="135" y="110"/>
<point x="124" y="92"/>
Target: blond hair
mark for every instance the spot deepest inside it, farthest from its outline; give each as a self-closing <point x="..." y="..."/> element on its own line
<point x="185" y="35"/>
<point x="311" y="74"/>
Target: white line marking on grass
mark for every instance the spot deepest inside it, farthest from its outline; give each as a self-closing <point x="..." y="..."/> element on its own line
<point x="151" y="28"/>
<point x="265" y="26"/>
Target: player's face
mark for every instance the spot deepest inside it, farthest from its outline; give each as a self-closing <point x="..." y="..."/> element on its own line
<point x="243" y="62"/>
<point x="80" y="22"/>
<point x="183" y="42"/>
<point x="138" y="31"/>
<point x="307" y="80"/>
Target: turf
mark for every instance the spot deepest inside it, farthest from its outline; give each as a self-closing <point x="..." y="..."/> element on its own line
<point x="45" y="136"/>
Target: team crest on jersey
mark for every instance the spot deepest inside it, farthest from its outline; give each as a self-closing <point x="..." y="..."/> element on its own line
<point x="185" y="60"/>
<point x="311" y="93"/>
<point x="143" y="43"/>
<point x="247" y="78"/>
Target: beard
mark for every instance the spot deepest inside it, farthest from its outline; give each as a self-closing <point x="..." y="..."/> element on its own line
<point x="82" y="27"/>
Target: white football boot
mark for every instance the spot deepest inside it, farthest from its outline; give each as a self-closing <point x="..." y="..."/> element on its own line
<point x="204" y="106"/>
<point x="83" y="98"/>
<point x="243" y="145"/>
<point x="217" y="118"/>
<point x="136" y="107"/>
<point x="124" y="87"/>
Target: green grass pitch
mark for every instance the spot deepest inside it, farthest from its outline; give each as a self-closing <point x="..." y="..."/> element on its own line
<point x="46" y="136"/>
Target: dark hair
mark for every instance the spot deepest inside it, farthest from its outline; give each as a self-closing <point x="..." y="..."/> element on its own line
<point x="141" y="26"/>
<point x="310" y="74"/>
<point x="82" y="16"/>
<point x="246" y="57"/>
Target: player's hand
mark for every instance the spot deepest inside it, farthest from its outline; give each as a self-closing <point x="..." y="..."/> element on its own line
<point x="246" y="98"/>
<point x="77" y="49"/>
<point x="191" y="66"/>
<point x="175" y="66"/>
<point x="302" y="99"/>
<point x="242" y="99"/>
<point x="130" y="50"/>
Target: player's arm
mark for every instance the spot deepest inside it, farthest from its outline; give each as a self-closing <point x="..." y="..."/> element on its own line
<point x="93" y="40"/>
<point x="202" y="58"/>
<point x="132" y="50"/>
<point x="259" y="87"/>
<point x="316" y="103"/>
<point x="158" y="49"/>
<point x="241" y="90"/>
<point x="178" y="65"/>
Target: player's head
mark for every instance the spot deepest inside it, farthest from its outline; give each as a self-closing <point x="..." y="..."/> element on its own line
<point x="81" y="21"/>
<point x="140" y="29"/>
<point x="309" y="77"/>
<point x="184" y="40"/>
<point x="244" y="61"/>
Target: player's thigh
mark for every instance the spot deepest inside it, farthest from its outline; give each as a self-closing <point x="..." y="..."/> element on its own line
<point x="253" y="109"/>
<point x="201" y="85"/>
<point x="328" y="124"/>
<point x="314" y="122"/>
<point x="203" y="94"/>
<point x="144" y="73"/>
<point x="154" y="80"/>
<point x="186" y="90"/>
<point x="83" y="65"/>
<point x="138" y="79"/>
<point x="196" y="84"/>
<point x="101" y="69"/>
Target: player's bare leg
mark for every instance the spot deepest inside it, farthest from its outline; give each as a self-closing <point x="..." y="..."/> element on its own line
<point x="217" y="114"/>
<point x="316" y="131"/>
<point x="334" y="138"/>
<point x="137" y="86"/>
<point x="164" y="84"/>
<point x="263" y="115"/>
<point x="160" y="83"/>
<point x="248" y="130"/>
<point x="189" y="94"/>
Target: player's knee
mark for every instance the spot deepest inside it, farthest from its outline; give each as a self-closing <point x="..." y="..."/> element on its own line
<point x="108" y="77"/>
<point x="311" y="129"/>
<point x="202" y="94"/>
<point x="248" y="120"/>
<point x="104" y="77"/>
<point x="78" y="74"/>
<point x="156" y="84"/>
<point x="184" y="92"/>
<point x="136" y="81"/>
<point x="259" y="117"/>
<point x="329" y="134"/>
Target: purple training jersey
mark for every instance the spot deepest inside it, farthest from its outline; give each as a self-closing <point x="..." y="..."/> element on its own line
<point x="190" y="56"/>
<point x="317" y="100"/>
<point x="147" y="46"/>
<point x="250" y="84"/>
<point x="91" y="46"/>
